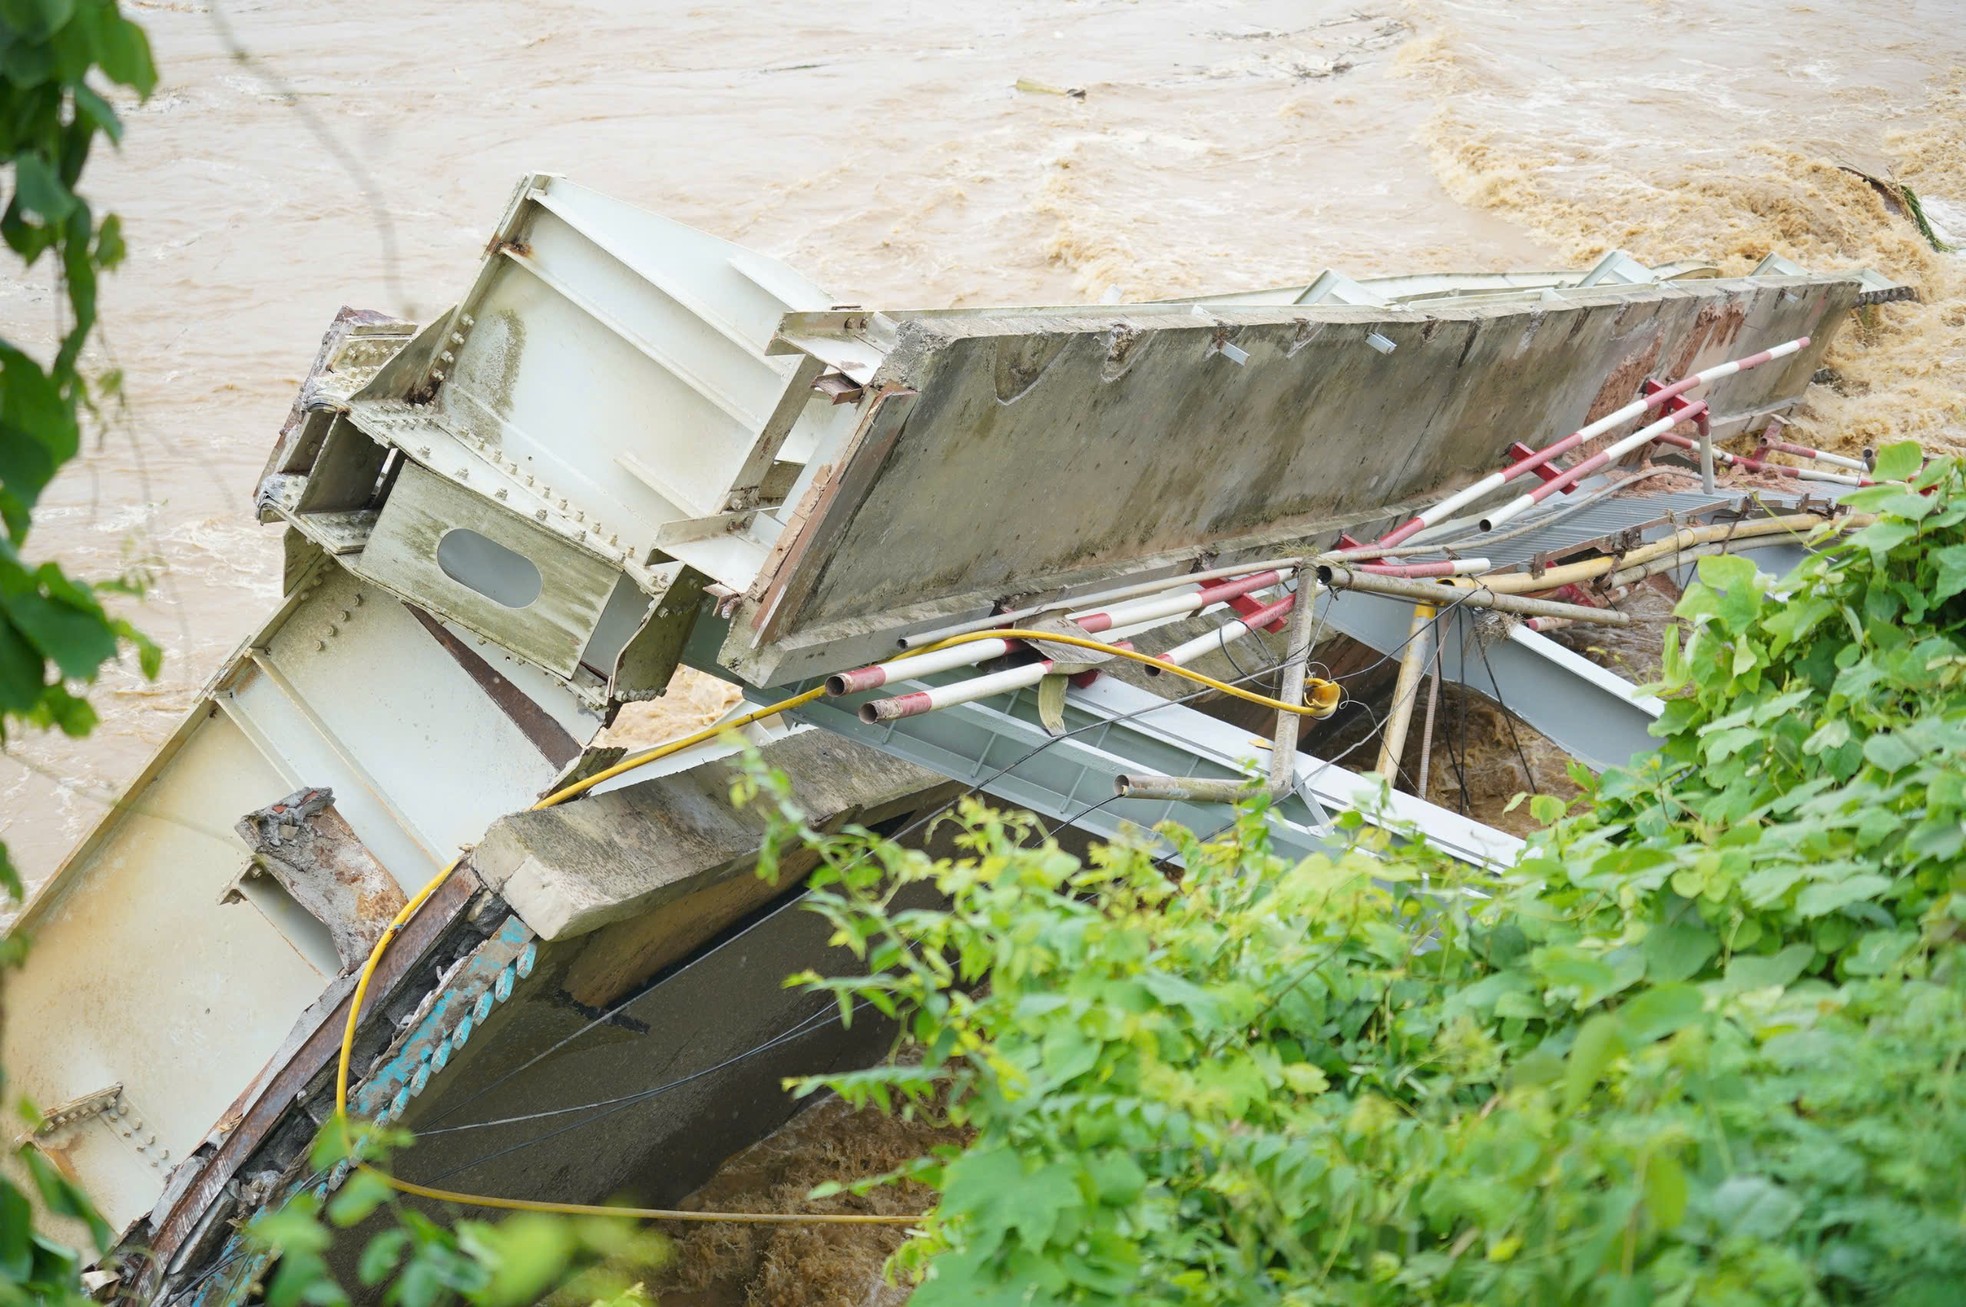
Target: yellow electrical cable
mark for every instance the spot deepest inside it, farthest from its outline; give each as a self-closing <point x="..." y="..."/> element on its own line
<point x="1322" y="695"/>
<point x="1322" y="699"/>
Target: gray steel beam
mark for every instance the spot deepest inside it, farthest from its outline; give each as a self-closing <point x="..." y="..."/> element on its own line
<point x="1595" y="715"/>
<point x="1114" y="728"/>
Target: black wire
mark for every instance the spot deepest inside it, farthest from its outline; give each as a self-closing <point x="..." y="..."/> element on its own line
<point x="1508" y="718"/>
<point x="622" y="1104"/>
<point x="804" y="1026"/>
<point x="914" y="825"/>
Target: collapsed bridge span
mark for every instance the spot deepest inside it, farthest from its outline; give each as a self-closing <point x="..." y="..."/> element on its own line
<point x="1033" y="552"/>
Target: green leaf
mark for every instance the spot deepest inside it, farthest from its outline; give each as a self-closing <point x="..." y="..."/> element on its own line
<point x="1760" y="971"/>
<point x="1600" y="1040"/>
<point x="1882" y="537"/>
<point x="1952" y="571"/>
<point x="1898" y="461"/>
<point x="1658" y="1012"/>
<point x="39" y="189"/>
<point x="380" y="1257"/>
<point x="1888" y="752"/>
<point x="1677" y="952"/>
<point x="364" y="1191"/>
<point x="1666" y="1191"/>
<point x="124" y="52"/>
<point x="1728" y="572"/>
<point x="1827" y="896"/>
<point x="76" y="640"/>
<point x="16" y="1234"/>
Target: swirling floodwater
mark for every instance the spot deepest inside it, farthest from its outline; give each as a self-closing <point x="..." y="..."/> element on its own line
<point x="915" y="154"/>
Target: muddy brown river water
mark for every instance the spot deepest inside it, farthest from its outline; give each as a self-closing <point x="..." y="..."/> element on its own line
<point x="886" y="149"/>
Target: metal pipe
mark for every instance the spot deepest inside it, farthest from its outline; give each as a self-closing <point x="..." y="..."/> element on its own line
<point x="1542" y="625"/>
<point x="1636" y="572"/>
<point x="1603" y="458"/>
<point x="1392" y="740"/>
<point x="1571" y="573"/>
<point x="1157" y="607"/>
<point x="1189" y="598"/>
<point x="941" y="660"/>
<point x="1450" y="567"/>
<point x="1224" y="635"/>
<point x="1283" y="746"/>
<point x="917" y="702"/>
<point x="1776" y="469"/>
<point x="1609" y="422"/>
<point x="1297" y="661"/>
<point x="1282" y="566"/>
<point x="1803" y="451"/>
<point x="1187" y="789"/>
<point x="1433" y="702"/>
<point x="1475" y="596"/>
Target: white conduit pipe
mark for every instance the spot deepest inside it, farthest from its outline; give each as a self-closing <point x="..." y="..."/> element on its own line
<point x="1609" y="422"/>
<point x="1612" y="453"/>
<point x="1186" y="599"/>
<point x="1451" y="567"/>
<point x="917" y="702"/>
<point x="1284" y="566"/>
<point x="1225" y="635"/>
<point x="1157" y="607"/>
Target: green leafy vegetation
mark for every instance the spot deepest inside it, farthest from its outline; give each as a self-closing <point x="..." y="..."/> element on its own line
<point x="56" y="56"/>
<point x="54" y="632"/>
<point x="1701" y="1044"/>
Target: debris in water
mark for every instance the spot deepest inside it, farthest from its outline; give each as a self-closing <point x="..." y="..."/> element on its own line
<point x="1031" y="87"/>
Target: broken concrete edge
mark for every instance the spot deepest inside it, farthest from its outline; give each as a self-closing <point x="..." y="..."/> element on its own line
<point x="571" y="870"/>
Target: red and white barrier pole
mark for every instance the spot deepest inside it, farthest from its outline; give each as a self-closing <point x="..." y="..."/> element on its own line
<point x="1611" y="421"/>
<point x="1609" y="455"/>
<point x="1451" y="567"/>
<point x="1775" y="469"/>
<point x="1150" y="609"/>
<point x="1803" y="451"/>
